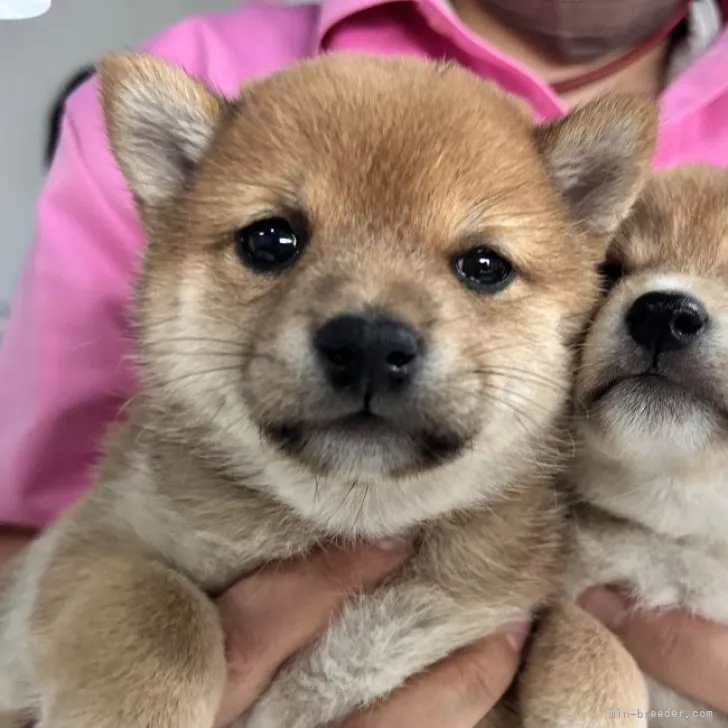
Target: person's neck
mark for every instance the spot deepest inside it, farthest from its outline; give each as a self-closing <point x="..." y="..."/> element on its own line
<point x="645" y="76"/>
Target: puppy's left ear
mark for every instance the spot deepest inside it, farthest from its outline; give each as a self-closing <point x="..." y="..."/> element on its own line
<point x="599" y="158"/>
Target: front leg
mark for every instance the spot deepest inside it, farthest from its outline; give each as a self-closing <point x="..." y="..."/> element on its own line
<point x="125" y="642"/>
<point x="578" y="675"/>
<point x="378" y="642"/>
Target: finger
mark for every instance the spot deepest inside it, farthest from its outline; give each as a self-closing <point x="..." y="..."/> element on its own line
<point x="280" y="609"/>
<point x="457" y="693"/>
<point x="687" y="653"/>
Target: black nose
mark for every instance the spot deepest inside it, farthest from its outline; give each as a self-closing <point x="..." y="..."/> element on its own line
<point x="368" y="356"/>
<point x="663" y="321"/>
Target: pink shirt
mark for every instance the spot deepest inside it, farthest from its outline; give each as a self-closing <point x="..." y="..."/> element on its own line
<point x="64" y="362"/>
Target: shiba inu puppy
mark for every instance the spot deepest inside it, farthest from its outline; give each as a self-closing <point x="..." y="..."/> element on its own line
<point x="653" y="451"/>
<point x="356" y="320"/>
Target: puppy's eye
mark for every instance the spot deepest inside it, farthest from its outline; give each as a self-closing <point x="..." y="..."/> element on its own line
<point x="268" y="245"/>
<point x="484" y="270"/>
<point x="611" y="273"/>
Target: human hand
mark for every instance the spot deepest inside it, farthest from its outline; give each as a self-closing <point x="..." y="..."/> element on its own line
<point x="277" y="611"/>
<point x="456" y="693"/>
<point x="687" y="653"/>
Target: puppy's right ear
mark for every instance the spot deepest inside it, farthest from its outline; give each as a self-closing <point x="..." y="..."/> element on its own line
<point x="159" y="122"/>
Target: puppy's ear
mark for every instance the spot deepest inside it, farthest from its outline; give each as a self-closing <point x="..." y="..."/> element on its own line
<point x="599" y="158"/>
<point x="159" y="122"/>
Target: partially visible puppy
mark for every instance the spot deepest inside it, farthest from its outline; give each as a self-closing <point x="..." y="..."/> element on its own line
<point x="363" y="283"/>
<point x="652" y="463"/>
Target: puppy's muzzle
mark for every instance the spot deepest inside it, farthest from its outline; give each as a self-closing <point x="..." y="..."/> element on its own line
<point x="662" y="321"/>
<point x="364" y="357"/>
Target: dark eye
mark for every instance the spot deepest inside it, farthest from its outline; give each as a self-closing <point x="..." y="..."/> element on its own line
<point x="269" y="245"/>
<point x="483" y="270"/>
<point x="611" y="273"/>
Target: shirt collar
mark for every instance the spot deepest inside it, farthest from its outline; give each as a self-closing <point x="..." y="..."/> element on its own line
<point x="700" y="63"/>
<point x="334" y="12"/>
<point x="704" y="19"/>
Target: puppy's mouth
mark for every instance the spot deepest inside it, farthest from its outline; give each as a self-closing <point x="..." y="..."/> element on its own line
<point x="655" y="391"/>
<point x="648" y="383"/>
<point x="368" y="434"/>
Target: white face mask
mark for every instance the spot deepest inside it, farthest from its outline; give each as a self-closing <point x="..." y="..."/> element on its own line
<point x="584" y="30"/>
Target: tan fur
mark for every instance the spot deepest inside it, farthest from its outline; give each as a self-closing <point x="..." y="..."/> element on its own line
<point x="573" y="653"/>
<point x="397" y="165"/>
<point x="653" y="479"/>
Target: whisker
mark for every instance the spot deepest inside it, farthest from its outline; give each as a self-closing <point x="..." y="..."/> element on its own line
<point x="522" y="399"/>
<point x="361" y="506"/>
<point x="201" y="373"/>
<point x="493" y="397"/>
<point x="348" y="493"/>
<point x="316" y="490"/>
<point x="523" y="375"/>
<point x="193" y="340"/>
<point x="183" y="353"/>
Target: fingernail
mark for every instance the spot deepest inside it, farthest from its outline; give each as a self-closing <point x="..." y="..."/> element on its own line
<point x="516" y="634"/>
<point x="606" y="605"/>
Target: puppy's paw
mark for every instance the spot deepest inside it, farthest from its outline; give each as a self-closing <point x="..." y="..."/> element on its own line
<point x="135" y="645"/>
<point x="109" y="718"/>
<point x="578" y="675"/>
